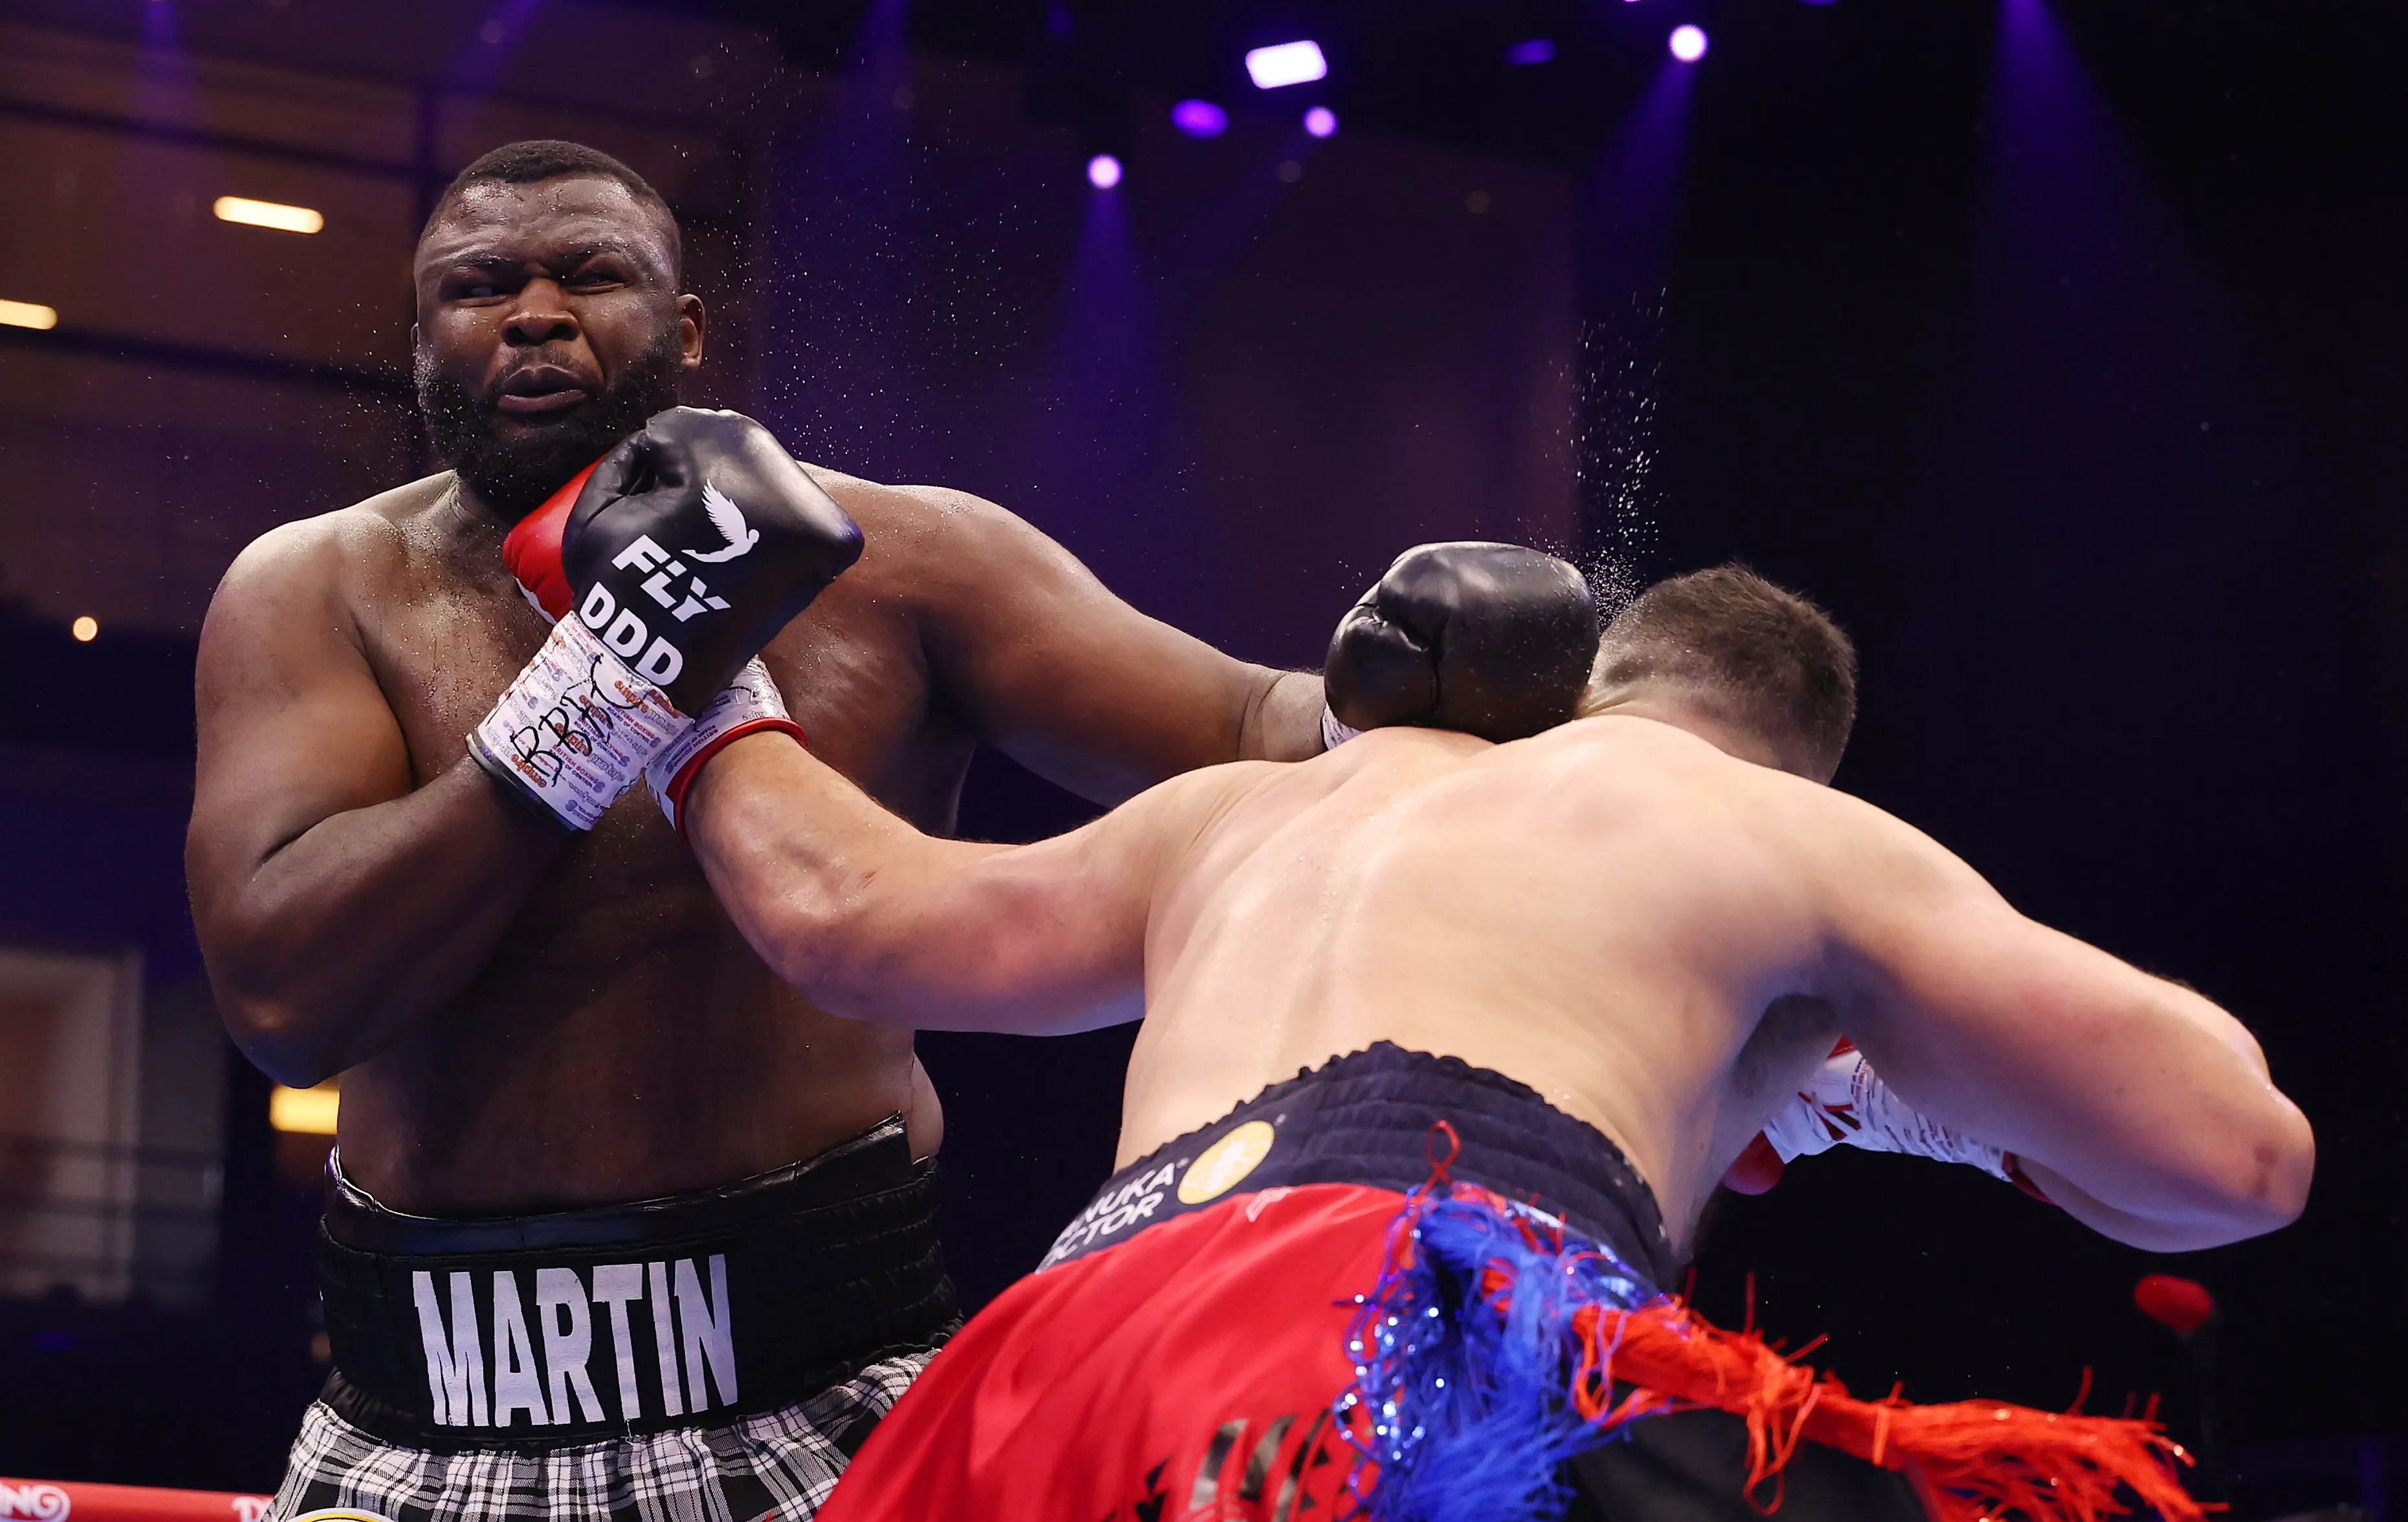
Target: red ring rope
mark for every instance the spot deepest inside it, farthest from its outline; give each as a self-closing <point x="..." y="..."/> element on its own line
<point x="64" y="1501"/>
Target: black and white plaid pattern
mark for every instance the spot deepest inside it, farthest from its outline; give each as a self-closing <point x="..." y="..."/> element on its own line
<point x="780" y="1463"/>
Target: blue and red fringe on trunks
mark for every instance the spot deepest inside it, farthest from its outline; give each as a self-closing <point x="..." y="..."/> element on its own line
<point x="1319" y="1351"/>
<point x="1494" y="1347"/>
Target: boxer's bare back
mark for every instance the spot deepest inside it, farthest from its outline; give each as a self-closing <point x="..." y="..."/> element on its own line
<point x="1659" y="937"/>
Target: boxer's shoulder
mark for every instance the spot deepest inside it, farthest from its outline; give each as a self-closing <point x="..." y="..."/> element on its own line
<point x="937" y="541"/>
<point x="388" y="580"/>
<point x="329" y="552"/>
<point x="907" y="504"/>
<point x="913" y="511"/>
<point x="1639" y="750"/>
<point x="1655" y="787"/>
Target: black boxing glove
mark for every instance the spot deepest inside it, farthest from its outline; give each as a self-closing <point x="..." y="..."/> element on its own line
<point x="696" y="541"/>
<point x="690" y="546"/>
<point x="1495" y="640"/>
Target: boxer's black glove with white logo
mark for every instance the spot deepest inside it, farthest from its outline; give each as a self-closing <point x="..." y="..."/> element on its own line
<point x="1491" y="639"/>
<point x="690" y="546"/>
<point x="695" y="543"/>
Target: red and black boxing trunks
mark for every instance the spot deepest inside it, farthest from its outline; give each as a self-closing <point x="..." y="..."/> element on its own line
<point x="1404" y="1288"/>
<point x="613" y="1361"/>
<point x="1184" y="1352"/>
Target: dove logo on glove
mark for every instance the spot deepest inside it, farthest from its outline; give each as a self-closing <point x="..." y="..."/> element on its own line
<point x="728" y="520"/>
<point x="693" y="543"/>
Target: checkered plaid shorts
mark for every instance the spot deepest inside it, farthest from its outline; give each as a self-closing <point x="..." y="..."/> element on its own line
<point x="780" y="1463"/>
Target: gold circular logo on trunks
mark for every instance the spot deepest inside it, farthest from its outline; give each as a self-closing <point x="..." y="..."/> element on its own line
<point x="341" y="1513"/>
<point x="1225" y="1162"/>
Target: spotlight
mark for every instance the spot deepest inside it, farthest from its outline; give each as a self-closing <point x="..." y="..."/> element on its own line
<point x="271" y="214"/>
<point x="1536" y="50"/>
<point x="1286" y="63"/>
<point x="1200" y="119"/>
<point x="1103" y="171"/>
<point x="304" y="1112"/>
<point x="1688" y="43"/>
<point x="1321" y="122"/>
<point x="27" y="313"/>
<point x="85" y="628"/>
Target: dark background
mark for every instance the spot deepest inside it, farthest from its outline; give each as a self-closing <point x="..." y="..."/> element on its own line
<point x="2056" y="350"/>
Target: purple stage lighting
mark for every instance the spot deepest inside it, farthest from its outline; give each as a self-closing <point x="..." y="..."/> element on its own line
<point x="1200" y="119"/>
<point x="1103" y="171"/>
<point x="1286" y="63"/>
<point x="1688" y="43"/>
<point x="1536" y="50"/>
<point x="1321" y="122"/>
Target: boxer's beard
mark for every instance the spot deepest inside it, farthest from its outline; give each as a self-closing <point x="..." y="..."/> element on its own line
<point x="513" y="472"/>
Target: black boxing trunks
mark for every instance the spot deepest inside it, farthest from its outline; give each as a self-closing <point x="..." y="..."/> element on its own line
<point x="723" y="1351"/>
<point x="1404" y="1288"/>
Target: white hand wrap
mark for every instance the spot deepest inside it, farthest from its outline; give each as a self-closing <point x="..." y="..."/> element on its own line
<point x="1846" y="1103"/>
<point x="1334" y="732"/>
<point x="577" y="728"/>
<point x="746" y="706"/>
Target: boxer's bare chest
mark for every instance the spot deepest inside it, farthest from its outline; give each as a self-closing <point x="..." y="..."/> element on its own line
<point x="624" y="1037"/>
<point x="445" y="634"/>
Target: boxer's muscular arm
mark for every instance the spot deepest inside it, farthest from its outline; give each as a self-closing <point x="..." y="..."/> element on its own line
<point x="875" y="921"/>
<point x="2142" y="1108"/>
<point x="337" y="906"/>
<point x="1075" y="684"/>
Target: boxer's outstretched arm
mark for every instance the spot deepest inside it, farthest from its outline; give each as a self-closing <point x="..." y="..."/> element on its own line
<point x="1073" y="683"/>
<point x="337" y="906"/>
<point x="2140" y="1107"/>
<point x="873" y="920"/>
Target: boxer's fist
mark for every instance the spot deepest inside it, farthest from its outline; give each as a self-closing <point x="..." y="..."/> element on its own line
<point x="693" y="543"/>
<point x="686" y="550"/>
<point x="1491" y="639"/>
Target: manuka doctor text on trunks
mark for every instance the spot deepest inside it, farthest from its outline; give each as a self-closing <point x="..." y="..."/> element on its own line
<point x="1156" y="1190"/>
<point x="660" y="1335"/>
<point x="1393" y="1119"/>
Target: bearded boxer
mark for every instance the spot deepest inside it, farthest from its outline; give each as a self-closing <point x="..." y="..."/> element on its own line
<point x="1576" y="974"/>
<point x="617" y="1221"/>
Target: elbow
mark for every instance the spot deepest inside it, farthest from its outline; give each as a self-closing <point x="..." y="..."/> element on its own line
<point x="821" y="948"/>
<point x="279" y="1040"/>
<point x="2262" y="1184"/>
<point x="794" y="939"/>
<point x="273" y="1026"/>
<point x="2282" y="1164"/>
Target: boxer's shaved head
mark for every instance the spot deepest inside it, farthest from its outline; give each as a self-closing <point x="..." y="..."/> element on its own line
<point x="1741" y="651"/>
<point x="538" y="158"/>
